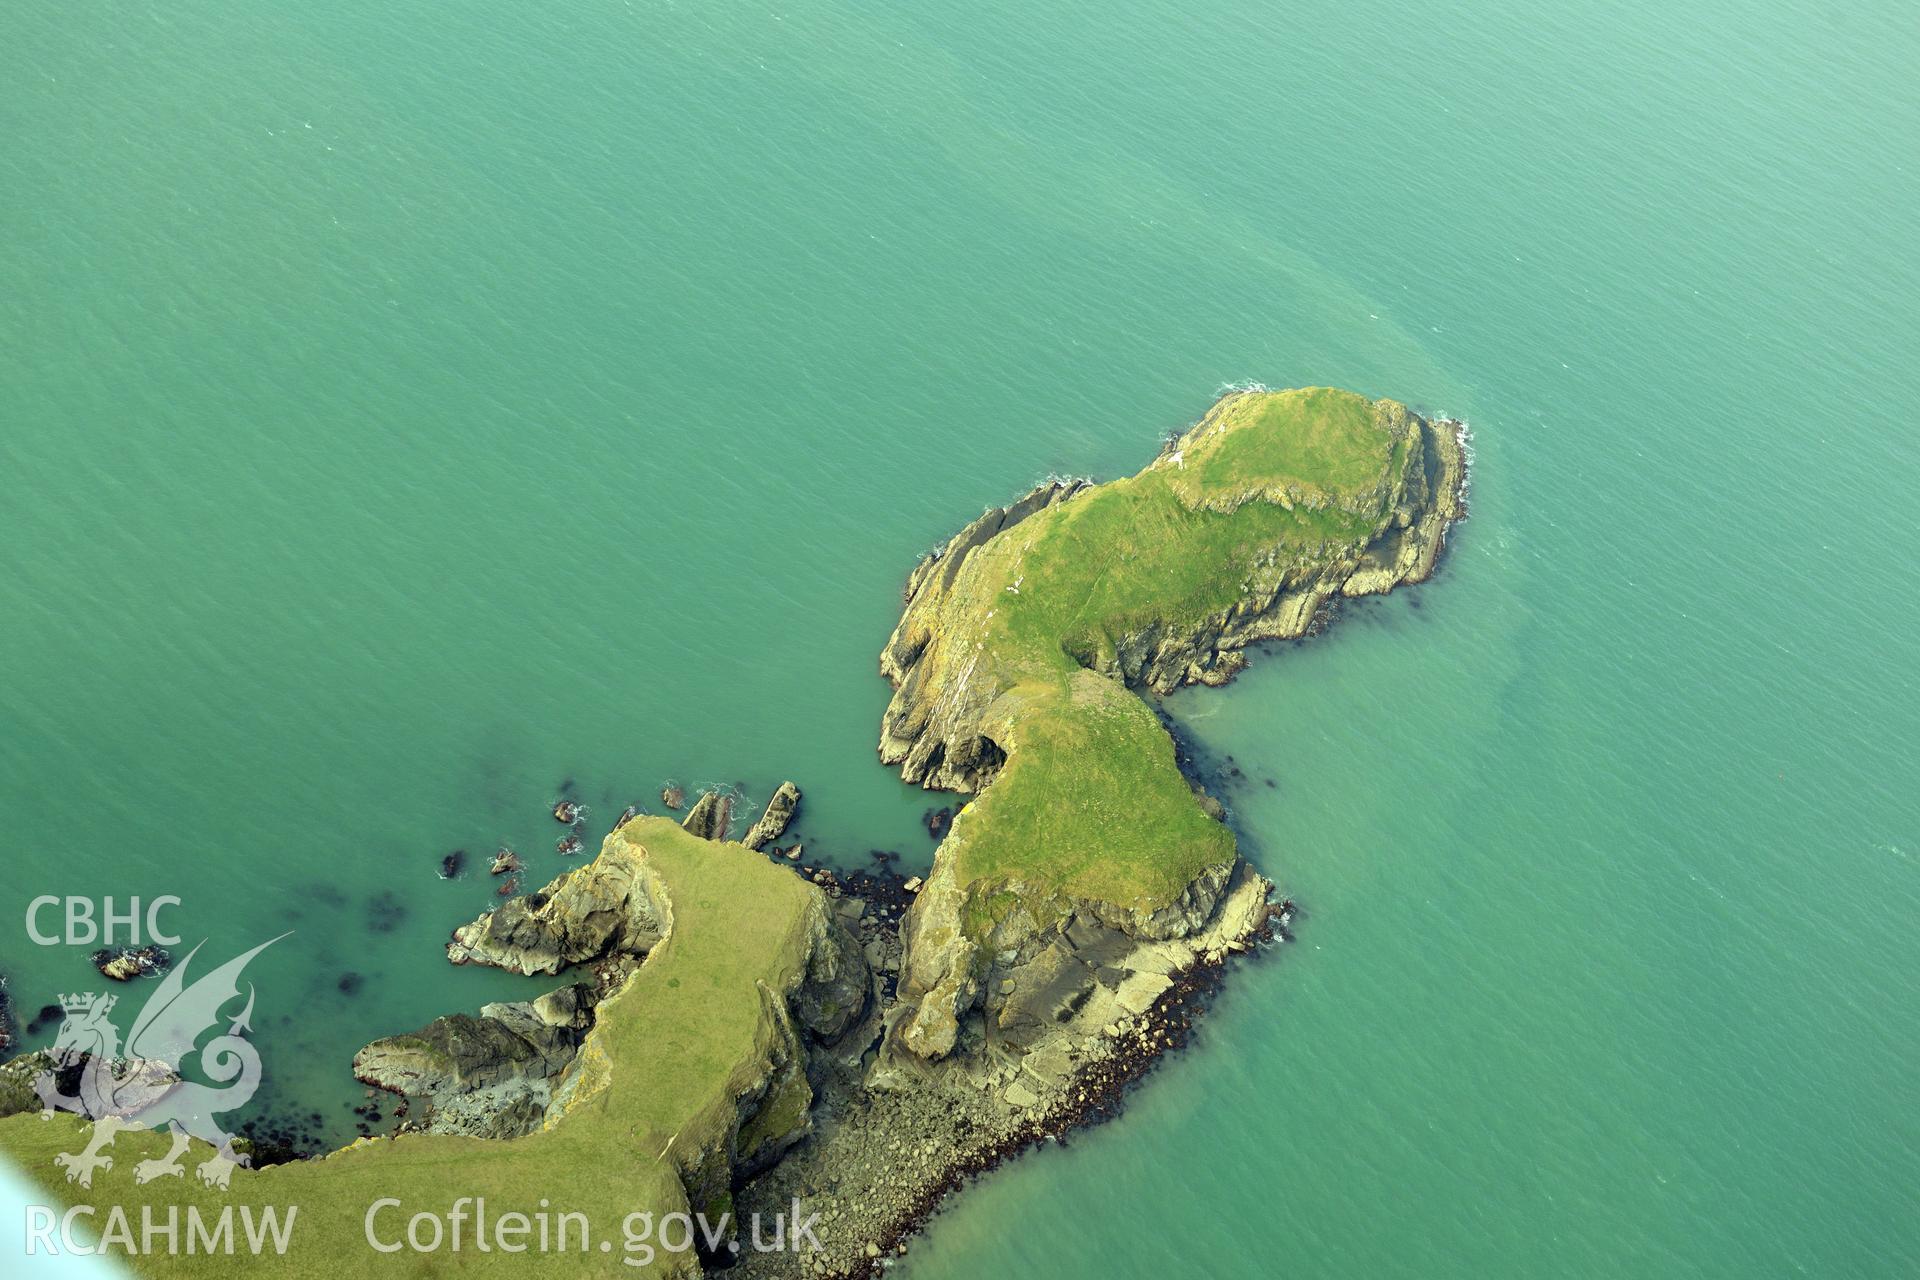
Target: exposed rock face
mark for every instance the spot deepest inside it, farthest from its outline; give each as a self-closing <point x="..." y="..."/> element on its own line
<point x="774" y="822"/>
<point x="710" y="816"/>
<point x="1052" y="975"/>
<point x="607" y="906"/>
<point x="931" y="728"/>
<point x="489" y="1076"/>
<point x="834" y="993"/>
<point x="616" y="913"/>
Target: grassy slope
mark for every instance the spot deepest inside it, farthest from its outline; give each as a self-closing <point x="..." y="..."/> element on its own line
<point x="672" y="1046"/>
<point x="1090" y="801"/>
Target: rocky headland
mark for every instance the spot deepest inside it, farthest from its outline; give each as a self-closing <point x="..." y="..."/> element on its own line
<point x="733" y="1027"/>
<point x="1015" y="669"/>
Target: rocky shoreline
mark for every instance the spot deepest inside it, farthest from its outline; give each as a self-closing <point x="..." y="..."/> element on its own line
<point x="882" y="1162"/>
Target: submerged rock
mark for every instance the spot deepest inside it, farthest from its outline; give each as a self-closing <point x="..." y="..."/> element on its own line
<point x="774" y="822"/>
<point x="712" y="814"/>
<point x="453" y="865"/>
<point x="385" y="911"/>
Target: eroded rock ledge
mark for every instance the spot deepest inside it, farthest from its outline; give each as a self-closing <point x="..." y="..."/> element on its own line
<point x="714" y="974"/>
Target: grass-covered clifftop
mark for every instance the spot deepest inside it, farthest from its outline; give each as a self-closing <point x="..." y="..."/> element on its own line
<point x="693" y="1062"/>
<point x="1022" y="641"/>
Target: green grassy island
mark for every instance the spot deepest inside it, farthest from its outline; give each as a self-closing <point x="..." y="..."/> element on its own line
<point x="1024" y="638"/>
<point x="736" y="1035"/>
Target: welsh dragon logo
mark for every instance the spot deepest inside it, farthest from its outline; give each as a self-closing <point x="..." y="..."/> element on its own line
<point x="140" y="1086"/>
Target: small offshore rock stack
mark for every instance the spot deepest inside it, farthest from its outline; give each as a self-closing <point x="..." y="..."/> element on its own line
<point x="505" y="863"/>
<point x="8" y="1037"/>
<point x="774" y="822"/>
<point x="124" y="964"/>
<point x="710" y="817"/>
<point x="674" y="797"/>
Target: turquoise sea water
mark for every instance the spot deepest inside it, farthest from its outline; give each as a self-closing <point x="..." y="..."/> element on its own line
<point x="406" y="408"/>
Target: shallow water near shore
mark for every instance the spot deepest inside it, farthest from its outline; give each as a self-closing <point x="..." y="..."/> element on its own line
<point x="406" y="415"/>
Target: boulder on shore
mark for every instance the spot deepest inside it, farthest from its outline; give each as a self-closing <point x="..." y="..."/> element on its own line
<point x="774" y="822"/>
